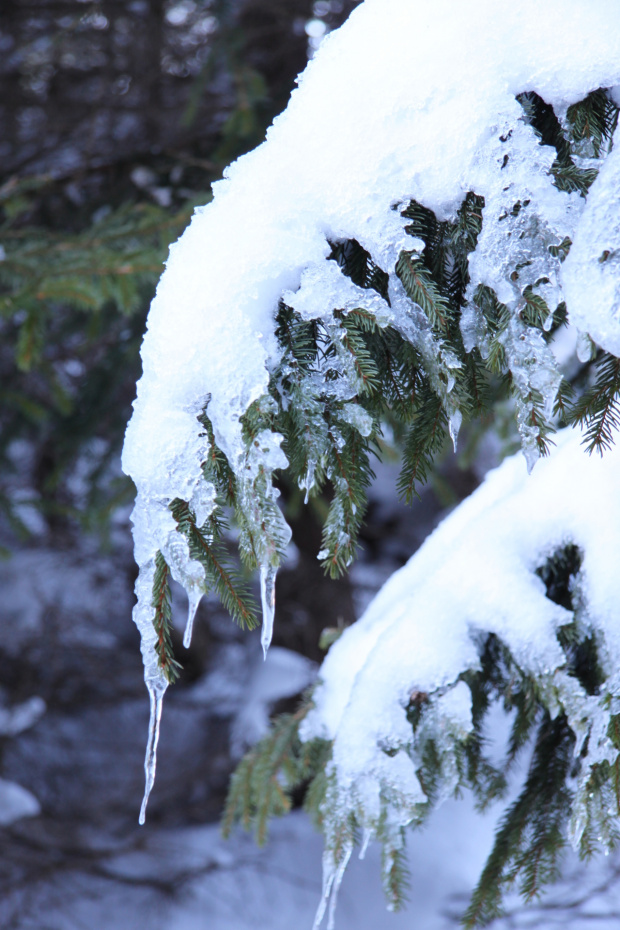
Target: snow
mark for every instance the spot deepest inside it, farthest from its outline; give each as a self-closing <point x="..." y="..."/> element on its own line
<point x="16" y="802"/>
<point x="14" y="720"/>
<point x="406" y="101"/>
<point x="232" y="885"/>
<point x="475" y="574"/>
<point x="591" y="272"/>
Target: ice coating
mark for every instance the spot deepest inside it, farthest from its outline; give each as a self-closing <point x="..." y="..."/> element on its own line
<point x="476" y="572"/>
<point x="369" y="128"/>
<point x="268" y="603"/>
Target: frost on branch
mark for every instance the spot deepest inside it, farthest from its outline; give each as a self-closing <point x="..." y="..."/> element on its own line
<point x="395" y="247"/>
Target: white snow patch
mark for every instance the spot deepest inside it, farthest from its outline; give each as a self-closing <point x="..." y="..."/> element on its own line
<point x="591" y="272"/>
<point x="15" y="803"/>
<point x="475" y="573"/>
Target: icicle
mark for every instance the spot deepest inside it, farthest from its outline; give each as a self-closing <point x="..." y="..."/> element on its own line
<point x="332" y="879"/>
<point x="154" y="678"/>
<point x="454" y="425"/>
<point x="365" y="841"/>
<point x="268" y="600"/>
<point x="308" y="481"/>
<point x="156" y="694"/>
<point x="329" y="873"/>
<point x="194" y="597"/>
<point x="333" y="898"/>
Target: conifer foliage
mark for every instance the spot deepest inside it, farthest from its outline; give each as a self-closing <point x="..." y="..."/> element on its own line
<point x="453" y="311"/>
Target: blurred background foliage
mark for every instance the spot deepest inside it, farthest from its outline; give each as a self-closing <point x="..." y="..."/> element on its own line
<point x="115" y="118"/>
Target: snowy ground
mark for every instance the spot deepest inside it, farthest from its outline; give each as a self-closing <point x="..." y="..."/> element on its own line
<point x="190" y="879"/>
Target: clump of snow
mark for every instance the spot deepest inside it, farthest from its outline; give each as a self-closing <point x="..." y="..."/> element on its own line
<point x="407" y="101"/>
<point x="591" y="273"/>
<point x="476" y="574"/>
<point x="16" y="802"/>
<point x="14" y="720"/>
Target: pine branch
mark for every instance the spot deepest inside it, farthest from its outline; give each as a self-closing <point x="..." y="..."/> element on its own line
<point x="230" y="587"/>
<point x="598" y="409"/>
<point x="541" y="117"/>
<point x="215" y="468"/>
<point x="424" y="441"/>
<point x="423" y="290"/>
<point x="593" y="118"/>
<point x="297" y="337"/>
<point x="350" y="471"/>
<point x="395" y="874"/>
<point x="568" y="178"/>
<point x="357" y="265"/>
<point x="162" y="620"/>
<point x="263" y="783"/>
<point x="535" y="311"/>
<point x="531" y="836"/>
<point x="561" y="251"/>
<point x="353" y="340"/>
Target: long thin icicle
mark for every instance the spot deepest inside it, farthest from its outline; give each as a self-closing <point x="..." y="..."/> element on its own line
<point x="329" y="873"/>
<point x="332" y="879"/>
<point x="268" y="600"/>
<point x="333" y="898"/>
<point x="154" y="677"/>
<point x="156" y="695"/>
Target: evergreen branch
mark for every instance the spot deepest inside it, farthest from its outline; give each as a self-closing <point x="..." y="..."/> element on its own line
<point x="423" y="290"/>
<point x="215" y="468"/>
<point x="531" y="413"/>
<point x="535" y="310"/>
<point x="424" y="441"/>
<point x="399" y="365"/>
<point x="265" y="780"/>
<point x="423" y="223"/>
<point x="593" y="118"/>
<point x="162" y="620"/>
<point x="474" y="373"/>
<point x="542" y="118"/>
<point x="563" y="405"/>
<point x="568" y="178"/>
<point x="496" y="314"/>
<point x="598" y="409"/>
<point x="531" y="833"/>
<point x="356" y="263"/>
<point x="351" y="474"/>
<point x="561" y="251"/>
<point x="365" y="320"/>
<point x="213" y="557"/>
<point x="395" y="875"/>
<point x="353" y="341"/>
<point x="297" y="337"/>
